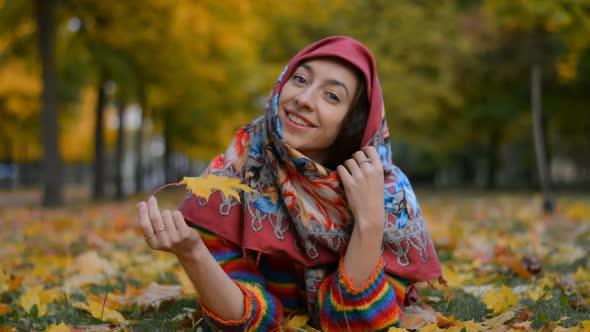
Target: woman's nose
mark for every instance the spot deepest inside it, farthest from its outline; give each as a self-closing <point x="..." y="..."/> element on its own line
<point x="305" y="99"/>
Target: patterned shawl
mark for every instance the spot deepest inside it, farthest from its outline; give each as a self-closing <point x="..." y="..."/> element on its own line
<point x="299" y="207"/>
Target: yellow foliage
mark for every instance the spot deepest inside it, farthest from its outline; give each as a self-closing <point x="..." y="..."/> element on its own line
<point x="296" y="321"/>
<point x="578" y="211"/>
<point x="500" y="301"/>
<point x="203" y="186"/>
<point x="38" y="296"/>
<point x="58" y="328"/>
<point x="100" y="311"/>
<point x="78" y="137"/>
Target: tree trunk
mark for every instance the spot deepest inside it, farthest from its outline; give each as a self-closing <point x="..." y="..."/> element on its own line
<point x="539" y="139"/>
<point x="52" y="163"/>
<point x="99" y="155"/>
<point x="119" y="193"/>
<point x="139" y="140"/>
<point x="493" y="157"/>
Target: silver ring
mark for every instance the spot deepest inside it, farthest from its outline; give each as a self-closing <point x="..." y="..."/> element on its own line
<point x="366" y="161"/>
<point x="161" y="229"/>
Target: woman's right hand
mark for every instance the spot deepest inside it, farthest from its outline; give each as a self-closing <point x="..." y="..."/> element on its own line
<point x="167" y="231"/>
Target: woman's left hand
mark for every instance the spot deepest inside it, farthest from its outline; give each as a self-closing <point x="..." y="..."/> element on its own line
<point x="362" y="177"/>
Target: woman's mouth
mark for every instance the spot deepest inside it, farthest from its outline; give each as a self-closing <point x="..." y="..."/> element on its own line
<point x="298" y="121"/>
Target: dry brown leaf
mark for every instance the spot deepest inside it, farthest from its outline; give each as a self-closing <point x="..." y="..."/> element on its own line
<point x="443" y="321"/>
<point x="501" y="319"/>
<point x="155" y="293"/>
<point x="417" y="316"/>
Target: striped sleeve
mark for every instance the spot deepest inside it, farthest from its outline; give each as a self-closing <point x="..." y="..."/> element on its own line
<point x="263" y="312"/>
<point x="373" y="306"/>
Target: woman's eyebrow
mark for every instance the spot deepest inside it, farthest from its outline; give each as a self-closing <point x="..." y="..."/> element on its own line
<point x="330" y="81"/>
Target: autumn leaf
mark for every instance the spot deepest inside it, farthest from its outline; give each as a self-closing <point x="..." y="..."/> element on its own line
<point x="296" y="322"/>
<point x="203" y="186"/>
<point x="100" y="311"/>
<point x="416" y="316"/>
<point x="431" y="327"/>
<point x="38" y="296"/>
<point x="58" y="328"/>
<point x="155" y="293"/>
<point x="396" y="329"/>
<point x="468" y="326"/>
<point x="443" y="321"/>
<point x="501" y="319"/>
<point x="499" y="301"/>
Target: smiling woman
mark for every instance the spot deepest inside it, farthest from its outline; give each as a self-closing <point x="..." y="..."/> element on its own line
<point x="332" y="228"/>
<point x="314" y="103"/>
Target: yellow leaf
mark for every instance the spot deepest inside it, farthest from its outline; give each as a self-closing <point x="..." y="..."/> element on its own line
<point x="499" y="301"/>
<point x="468" y="326"/>
<point x="58" y="328"/>
<point x="432" y="327"/>
<point x="396" y="329"/>
<point x="100" y="311"/>
<point x="203" y="186"/>
<point x="297" y="321"/>
<point x="30" y="297"/>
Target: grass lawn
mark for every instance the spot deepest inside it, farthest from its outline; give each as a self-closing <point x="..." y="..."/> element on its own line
<point x="87" y="266"/>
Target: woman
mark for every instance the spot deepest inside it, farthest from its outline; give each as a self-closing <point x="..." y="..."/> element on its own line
<point x="333" y="228"/>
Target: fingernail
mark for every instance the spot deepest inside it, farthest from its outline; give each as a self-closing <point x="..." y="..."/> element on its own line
<point x="152" y="199"/>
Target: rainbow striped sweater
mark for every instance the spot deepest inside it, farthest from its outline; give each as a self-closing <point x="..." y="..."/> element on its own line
<point x="274" y="288"/>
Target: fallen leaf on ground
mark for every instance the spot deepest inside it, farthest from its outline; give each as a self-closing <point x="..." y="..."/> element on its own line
<point x="417" y="316"/>
<point x="501" y="319"/>
<point x="61" y="328"/>
<point x="100" y="311"/>
<point x="155" y="293"/>
<point x="499" y="300"/>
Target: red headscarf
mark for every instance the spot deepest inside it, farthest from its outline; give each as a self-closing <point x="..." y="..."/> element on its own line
<point x="299" y="207"/>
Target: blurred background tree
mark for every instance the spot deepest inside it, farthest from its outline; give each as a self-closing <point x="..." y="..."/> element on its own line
<point x="478" y="94"/>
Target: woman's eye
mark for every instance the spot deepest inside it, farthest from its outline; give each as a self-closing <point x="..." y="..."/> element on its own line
<point x="333" y="96"/>
<point x="299" y="79"/>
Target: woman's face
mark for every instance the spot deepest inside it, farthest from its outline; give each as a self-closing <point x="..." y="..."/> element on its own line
<point x="313" y="103"/>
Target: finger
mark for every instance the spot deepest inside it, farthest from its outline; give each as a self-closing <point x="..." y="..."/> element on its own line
<point x="361" y="158"/>
<point x="372" y="154"/>
<point x="353" y="168"/>
<point x="344" y="175"/>
<point x="155" y="216"/>
<point x="179" y="222"/>
<point x="169" y="225"/>
<point x="144" y="220"/>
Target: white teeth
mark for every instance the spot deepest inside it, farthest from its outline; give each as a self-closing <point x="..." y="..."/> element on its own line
<point x="297" y="120"/>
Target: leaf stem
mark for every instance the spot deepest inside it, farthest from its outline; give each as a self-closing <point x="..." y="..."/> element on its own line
<point x="165" y="186"/>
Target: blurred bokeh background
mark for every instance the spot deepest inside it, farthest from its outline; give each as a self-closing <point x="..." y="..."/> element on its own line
<point x="104" y="99"/>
